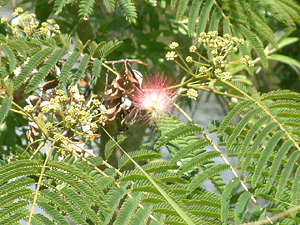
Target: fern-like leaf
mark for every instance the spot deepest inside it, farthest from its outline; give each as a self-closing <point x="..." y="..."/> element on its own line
<point x="225" y="198"/>
<point x="265" y="155"/>
<point x="66" y="69"/>
<point x="286" y="172"/>
<point x="5" y="107"/>
<point x="194" y="11"/>
<point x="96" y="70"/>
<point x="176" y="133"/>
<point x="32" y="63"/>
<point x="11" y="57"/>
<point x="81" y="68"/>
<point x="86" y="8"/>
<point x="43" y="72"/>
<point x="242" y="207"/>
<point x="204" y="16"/>
<point x="207" y="174"/>
<point x="129" y="10"/>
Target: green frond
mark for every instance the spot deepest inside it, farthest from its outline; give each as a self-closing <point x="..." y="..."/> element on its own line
<point x="11" y="57"/>
<point x="85" y="190"/>
<point x="59" y="5"/>
<point x="259" y="48"/>
<point x="158" y="166"/>
<point x="5" y="107"/>
<point x="51" y="211"/>
<point x="142" y="215"/>
<point x="194" y="12"/>
<point x="197" y="160"/>
<point x="250" y="135"/>
<point x="285" y="59"/>
<point x="15" y="184"/>
<point x="129" y="10"/>
<point x="191" y="148"/>
<point x="204" y="16"/>
<point x="81" y="68"/>
<point x="32" y="63"/>
<point x="86" y="8"/>
<point x="66" y="69"/>
<point x="241" y="207"/>
<point x="285" y="174"/>
<point x="110" y="4"/>
<point x="96" y="70"/>
<point x="295" y="188"/>
<point x="182" y="6"/>
<point x="281" y="94"/>
<point x="64" y="205"/>
<point x="112" y="200"/>
<point x="241" y="125"/>
<point x="43" y="72"/>
<point x="42" y="219"/>
<point x="277" y="162"/>
<point x="237" y="109"/>
<point x="265" y="155"/>
<point x="12" y="207"/>
<point x="127" y="209"/>
<point x="13" y="218"/>
<point x="225" y="198"/>
<point x="77" y="173"/>
<point x="215" y="19"/>
<point x="138" y="156"/>
<point x="14" y="195"/>
<point x="173" y="3"/>
<point x="207" y="174"/>
<point x="109" y="48"/>
<point x="81" y="204"/>
<point x="258" y="140"/>
<point x="176" y="133"/>
<point x="19" y="47"/>
<point x="111" y="145"/>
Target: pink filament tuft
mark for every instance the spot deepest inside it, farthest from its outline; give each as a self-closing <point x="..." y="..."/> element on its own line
<point x="153" y="98"/>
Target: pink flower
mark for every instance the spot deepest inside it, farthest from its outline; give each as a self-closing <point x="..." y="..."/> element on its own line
<point x="153" y="98"/>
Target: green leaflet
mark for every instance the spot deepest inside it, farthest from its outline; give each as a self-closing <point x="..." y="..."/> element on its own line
<point x="11" y="57"/>
<point x="192" y="147"/>
<point x="237" y="109"/>
<point x="262" y="162"/>
<point x="257" y="45"/>
<point x="194" y="11"/>
<point x="5" y="107"/>
<point x="86" y="8"/>
<point x="179" y="132"/>
<point x="66" y="69"/>
<point x="204" y="16"/>
<point x="207" y="174"/>
<point x="225" y="198"/>
<point x="81" y="68"/>
<point x="32" y="63"/>
<point x="182" y="6"/>
<point x="242" y="208"/>
<point x="277" y="161"/>
<point x="96" y="70"/>
<point x="43" y="72"/>
<point x="198" y="160"/>
<point x="286" y="173"/>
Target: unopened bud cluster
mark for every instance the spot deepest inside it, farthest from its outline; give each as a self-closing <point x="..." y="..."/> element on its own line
<point x="72" y="114"/>
<point x="28" y="26"/>
<point x="218" y="47"/>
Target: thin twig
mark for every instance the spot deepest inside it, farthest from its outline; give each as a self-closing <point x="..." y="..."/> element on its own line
<point x="276" y="217"/>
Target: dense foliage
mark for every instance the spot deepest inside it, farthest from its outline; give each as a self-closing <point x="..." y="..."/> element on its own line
<point x="86" y="119"/>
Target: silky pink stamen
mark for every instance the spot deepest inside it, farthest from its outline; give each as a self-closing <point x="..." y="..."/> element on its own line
<point x="153" y="98"/>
